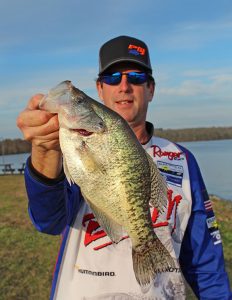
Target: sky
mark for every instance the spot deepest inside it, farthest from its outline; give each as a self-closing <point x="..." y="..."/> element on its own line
<point x="190" y="41"/>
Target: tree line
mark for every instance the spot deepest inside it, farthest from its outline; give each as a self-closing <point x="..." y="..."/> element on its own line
<point x="195" y="134"/>
<point x="16" y="146"/>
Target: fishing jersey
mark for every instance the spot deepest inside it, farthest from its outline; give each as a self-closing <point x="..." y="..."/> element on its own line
<point x="89" y="266"/>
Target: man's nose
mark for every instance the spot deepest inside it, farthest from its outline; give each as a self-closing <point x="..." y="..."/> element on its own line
<point x="124" y="85"/>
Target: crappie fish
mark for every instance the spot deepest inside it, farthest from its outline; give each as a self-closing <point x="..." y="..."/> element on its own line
<point x="117" y="177"/>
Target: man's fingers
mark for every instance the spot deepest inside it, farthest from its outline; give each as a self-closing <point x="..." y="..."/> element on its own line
<point x="38" y="126"/>
<point x="51" y="126"/>
<point x="34" y="101"/>
<point x="33" y="118"/>
<point x="52" y="138"/>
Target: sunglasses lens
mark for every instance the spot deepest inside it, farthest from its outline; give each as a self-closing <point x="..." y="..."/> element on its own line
<point x="132" y="77"/>
<point x="112" y="79"/>
<point x="136" y="78"/>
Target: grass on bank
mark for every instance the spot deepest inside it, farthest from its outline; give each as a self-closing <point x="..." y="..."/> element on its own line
<point x="28" y="257"/>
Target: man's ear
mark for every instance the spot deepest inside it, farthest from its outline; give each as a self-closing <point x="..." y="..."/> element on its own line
<point x="151" y="91"/>
<point x="99" y="89"/>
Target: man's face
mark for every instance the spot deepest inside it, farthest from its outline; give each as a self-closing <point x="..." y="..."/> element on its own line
<point x="128" y="100"/>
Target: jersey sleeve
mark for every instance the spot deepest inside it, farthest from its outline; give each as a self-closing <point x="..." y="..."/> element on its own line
<point x="201" y="257"/>
<point x="52" y="204"/>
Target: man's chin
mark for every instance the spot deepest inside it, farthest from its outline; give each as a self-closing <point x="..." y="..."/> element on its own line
<point x="126" y="117"/>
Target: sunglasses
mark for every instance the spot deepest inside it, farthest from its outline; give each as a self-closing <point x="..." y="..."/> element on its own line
<point x="132" y="77"/>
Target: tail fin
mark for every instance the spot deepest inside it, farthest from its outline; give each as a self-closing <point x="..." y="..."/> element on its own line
<point x="150" y="259"/>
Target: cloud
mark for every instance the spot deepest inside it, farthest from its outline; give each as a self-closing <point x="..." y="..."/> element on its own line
<point x="15" y="96"/>
<point x="196" y="97"/>
<point x="69" y="22"/>
<point x="203" y="83"/>
<point x="187" y="116"/>
<point x="193" y="35"/>
<point x="42" y="81"/>
<point x="45" y="42"/>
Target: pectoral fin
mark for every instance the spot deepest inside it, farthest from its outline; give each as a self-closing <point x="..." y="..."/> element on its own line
<point x="66" y="172"/>
<point x="90" y="161"/>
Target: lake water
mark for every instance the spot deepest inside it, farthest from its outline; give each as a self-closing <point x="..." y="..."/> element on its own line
<point x="214" y="159"/>
<point x="15" y="159"/>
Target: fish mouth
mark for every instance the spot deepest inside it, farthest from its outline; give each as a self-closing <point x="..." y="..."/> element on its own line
<point x="83" y="132"/>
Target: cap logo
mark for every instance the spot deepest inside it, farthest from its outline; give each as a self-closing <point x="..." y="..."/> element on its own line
<point x="136" y="50"/>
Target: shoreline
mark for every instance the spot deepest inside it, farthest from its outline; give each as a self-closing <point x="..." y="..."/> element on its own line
<point x="214" y="197"/>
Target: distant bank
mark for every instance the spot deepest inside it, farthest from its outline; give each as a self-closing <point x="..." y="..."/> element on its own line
<point x="15" y="146"/>
<point x="195" y="134"/>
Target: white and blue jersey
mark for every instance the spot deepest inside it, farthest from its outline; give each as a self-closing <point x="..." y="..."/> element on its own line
<point x="90" y="267"/>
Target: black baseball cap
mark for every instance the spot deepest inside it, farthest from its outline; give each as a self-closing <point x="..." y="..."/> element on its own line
<point x="124" y="49"/>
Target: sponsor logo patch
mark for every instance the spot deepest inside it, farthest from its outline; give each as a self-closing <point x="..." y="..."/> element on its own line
<point x="173" y="174"/>
<point x="212" y="223"/>
<point x="213" y="229"/>
<point x="136" y="50"/>
<point x="216" y="237"/>
<point x="95" y="273"/>
<point x="157" y="151"/>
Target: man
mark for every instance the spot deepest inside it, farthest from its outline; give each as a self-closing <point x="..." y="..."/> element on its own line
<point x="89" y="266"/>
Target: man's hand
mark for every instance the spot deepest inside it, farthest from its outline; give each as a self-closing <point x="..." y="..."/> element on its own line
<point x="41" y="128"/>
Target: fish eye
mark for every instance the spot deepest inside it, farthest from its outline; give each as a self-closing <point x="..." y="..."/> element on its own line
<point x="79" y="100"/>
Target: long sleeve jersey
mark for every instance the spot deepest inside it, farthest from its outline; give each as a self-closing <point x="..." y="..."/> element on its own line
<point x="90" y="267"/>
